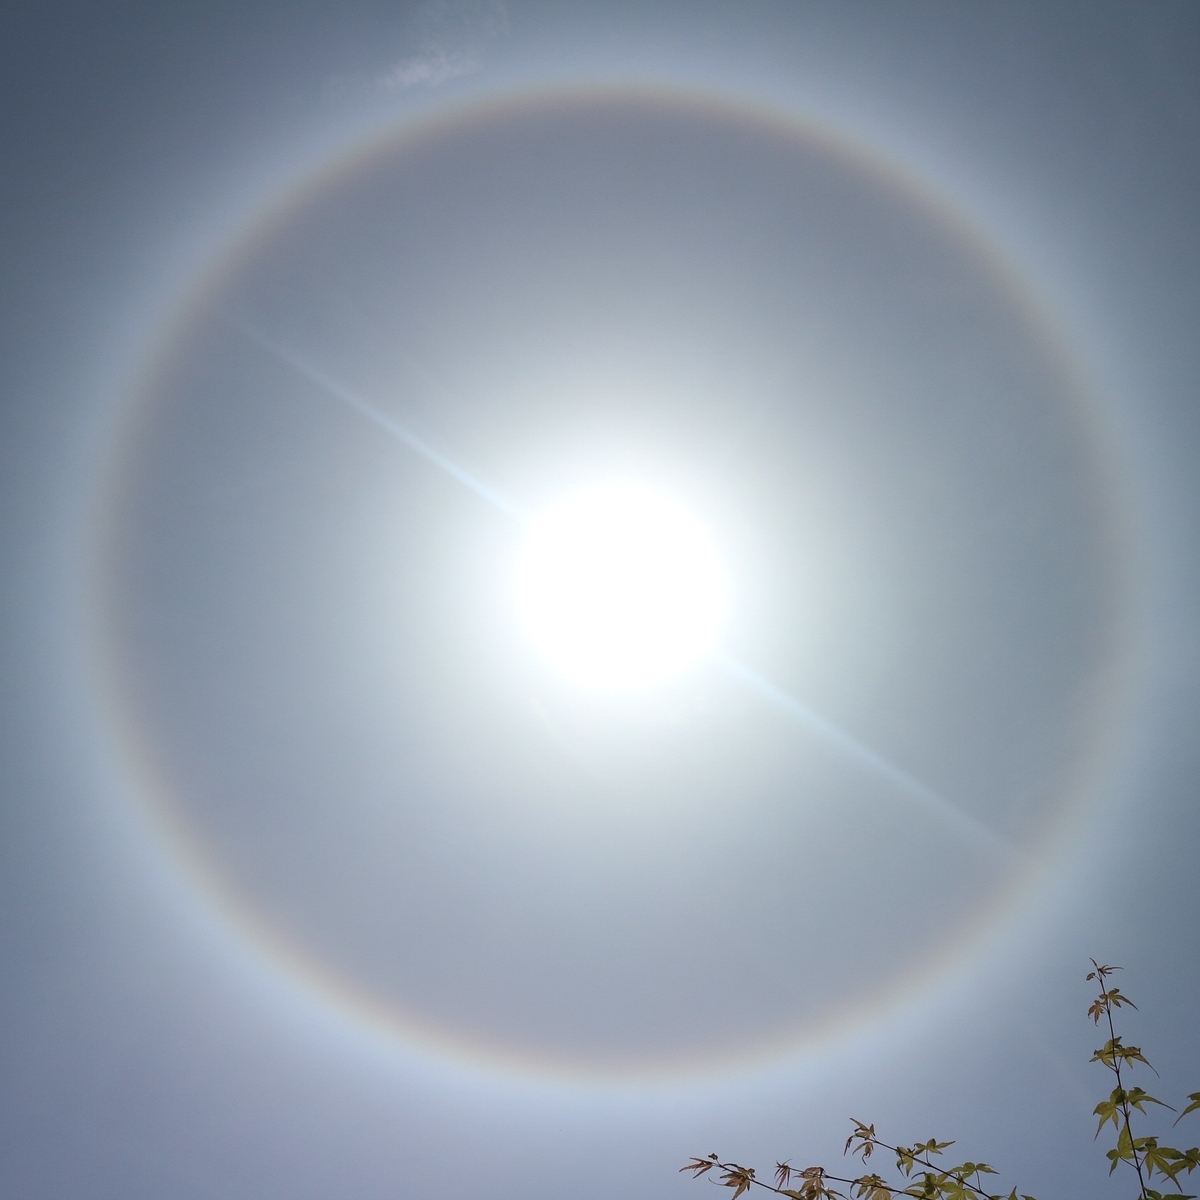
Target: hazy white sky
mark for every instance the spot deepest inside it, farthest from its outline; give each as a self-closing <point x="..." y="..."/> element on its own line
<point x="316" y="879"/>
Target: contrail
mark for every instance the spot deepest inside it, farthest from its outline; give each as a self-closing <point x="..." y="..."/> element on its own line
<point x="930" y="800"/>
<point x="350" y="399"/>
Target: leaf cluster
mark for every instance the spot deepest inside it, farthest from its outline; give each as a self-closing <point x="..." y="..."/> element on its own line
<point x="1151" y="1160"/>
<point x="919" y="1176"/>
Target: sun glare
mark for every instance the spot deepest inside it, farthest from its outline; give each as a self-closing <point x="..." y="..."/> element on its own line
<point x="619" y="587"/>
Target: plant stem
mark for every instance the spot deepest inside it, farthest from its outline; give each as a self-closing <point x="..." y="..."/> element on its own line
<point x="1115" y="1067"/>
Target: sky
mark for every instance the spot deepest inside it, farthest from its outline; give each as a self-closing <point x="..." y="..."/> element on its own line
<point x="320" y="874"/>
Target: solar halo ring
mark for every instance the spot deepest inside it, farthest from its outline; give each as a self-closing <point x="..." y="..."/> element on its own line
<point x="154" y="782"/>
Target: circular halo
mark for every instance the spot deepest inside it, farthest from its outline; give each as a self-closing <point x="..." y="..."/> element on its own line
<point x="121" y="690"/>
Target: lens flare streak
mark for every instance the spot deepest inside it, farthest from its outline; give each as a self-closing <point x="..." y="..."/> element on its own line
<point x="972" y="829"/>
<point x="344" y="395"/>
<point x="975" y="830"/>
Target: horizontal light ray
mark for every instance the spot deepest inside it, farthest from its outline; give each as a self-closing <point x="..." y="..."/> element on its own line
<point x="352" y="400"/>
<point x="979" y="833"/>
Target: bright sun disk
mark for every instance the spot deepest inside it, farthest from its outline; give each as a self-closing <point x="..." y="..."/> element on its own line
<point x="619" y="587"/>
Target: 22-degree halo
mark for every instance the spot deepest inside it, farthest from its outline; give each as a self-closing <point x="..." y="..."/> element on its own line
<point x="178" y="787"/>
<point x="619" y="587"/>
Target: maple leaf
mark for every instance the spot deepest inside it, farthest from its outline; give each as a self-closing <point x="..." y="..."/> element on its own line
<point x="738" y="1178"/>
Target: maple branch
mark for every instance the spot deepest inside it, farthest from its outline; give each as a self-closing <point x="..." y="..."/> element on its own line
<point x="1115" y="1066"/>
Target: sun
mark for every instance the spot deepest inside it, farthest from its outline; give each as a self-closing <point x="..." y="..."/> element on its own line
<point x="618" y="587"/>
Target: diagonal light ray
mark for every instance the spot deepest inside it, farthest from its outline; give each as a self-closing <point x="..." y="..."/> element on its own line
<point x="971" y="828"/>
<point x="933" y="802"/>
<point x="351" y="399"/>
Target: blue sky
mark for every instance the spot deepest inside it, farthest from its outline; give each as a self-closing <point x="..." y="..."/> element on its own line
<point x="314" y="879"/>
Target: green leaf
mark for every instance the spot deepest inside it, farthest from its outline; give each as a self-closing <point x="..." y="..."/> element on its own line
<point x="1122" y="1152"/>
<point x="1195" y="1104"/>
<point x="1113" y="1053"/>
<point x="1137" y="1097"/>
<point x="1162" y="1159"/>
<point x="931" y="1147"/>
<point x="872" y="1187"/>
<point x="1108" y="1110"/>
